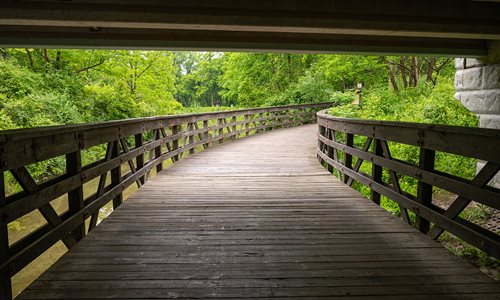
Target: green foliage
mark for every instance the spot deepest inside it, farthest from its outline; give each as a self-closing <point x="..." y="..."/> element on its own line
<point x="345" y="72"/>
<point x="256" y="79"/>
<point x="423" y="104"/>
<point x="40" y="87"/>
<point x="198" y="78"/>
<point x="48" y="87"/>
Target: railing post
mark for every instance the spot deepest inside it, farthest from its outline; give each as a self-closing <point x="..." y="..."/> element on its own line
<point x="116" y="175"/>
<point x="75" y="197"/>
<point x="348" y="157"/>
<point x="424" y="190"/>
<point x="376" y="172"/>
<point x="235" y="135"/>
<point x="205" y="134"/>
<point x="159" y="166"/>
<point x="247" y="125"/>
<point x="5" y="281"/>
<point x="175" y="143"/>
<point x="261" y="123"/>
<point x="139" y="160"/>
<point x="330" y="134"/>
<point x="321" y="131"/>
<point x="221" y="130"/>
<point x="191" y="137"/>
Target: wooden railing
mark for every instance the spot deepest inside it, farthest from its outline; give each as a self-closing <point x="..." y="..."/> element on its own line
<point x="340" y="140"/>
<point x="137" y="146"/>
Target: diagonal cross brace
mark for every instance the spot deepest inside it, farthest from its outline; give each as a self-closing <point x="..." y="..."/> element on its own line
<point x="100" y="188"/>
<point x="29" y="185"/>
<point x="395" y="181"/>
<point x="482" y="178"/>
<point x="359" y="161"/>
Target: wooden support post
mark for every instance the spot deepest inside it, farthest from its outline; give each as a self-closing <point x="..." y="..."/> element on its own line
<point x="75" y="197"/>
<point x="348" y="157"/>
<point x="376" y="172"/>
<point x="233" y="120"/>
<point x="205" y="134"/>
<point x="159" y="166"/>
<point x="191" y="137"/>
<point x="330" y="134"/>
<point x="221" y="130"/>
<point x="139" y="161"/>
<point x="5" y="281"/>
<point x="261" y="123"/>
<point x="321" y="131"/>
<point x="116" y="175"/>
<point x="175" y="143"/>
<point x="247" y="125"/>
<point x="424" y="190"/>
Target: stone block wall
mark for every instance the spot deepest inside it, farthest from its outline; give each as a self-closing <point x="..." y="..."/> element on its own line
<point x="477" y="86"/>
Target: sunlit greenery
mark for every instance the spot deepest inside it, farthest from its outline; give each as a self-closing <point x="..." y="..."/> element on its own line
<point x="40" y="87"/>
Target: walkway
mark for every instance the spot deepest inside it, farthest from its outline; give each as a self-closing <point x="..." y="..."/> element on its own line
<point x="258" y="217"/>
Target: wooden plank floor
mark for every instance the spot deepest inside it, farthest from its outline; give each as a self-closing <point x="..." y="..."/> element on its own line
<point x="257" y="218"/>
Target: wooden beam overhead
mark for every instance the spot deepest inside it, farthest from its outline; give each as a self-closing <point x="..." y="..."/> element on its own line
<point x="383" y="26"/>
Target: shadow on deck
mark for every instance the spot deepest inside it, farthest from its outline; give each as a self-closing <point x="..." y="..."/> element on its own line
<point x="256" y="218"/>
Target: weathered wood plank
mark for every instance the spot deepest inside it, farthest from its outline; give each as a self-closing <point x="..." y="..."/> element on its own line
<point x="75" y="196"/>
<point x="255" y="218"/>
<point x="5" y="281"/>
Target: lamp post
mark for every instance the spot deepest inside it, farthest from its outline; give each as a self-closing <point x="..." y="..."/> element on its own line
<point x="357" y="100"/>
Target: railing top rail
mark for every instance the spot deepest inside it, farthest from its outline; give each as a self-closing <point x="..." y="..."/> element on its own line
<point x="17" y="134"/>
<point x="418" y="126"/>
<point x="480" y="143"/>
<point x="337" y="148"/>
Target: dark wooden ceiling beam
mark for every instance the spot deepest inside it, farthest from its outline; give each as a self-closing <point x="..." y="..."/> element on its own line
<point x="119" y="38"/>
<point x="387" y="25"/>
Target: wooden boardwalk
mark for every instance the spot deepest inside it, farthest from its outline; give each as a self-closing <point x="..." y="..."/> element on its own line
<point x="257" y="218"/>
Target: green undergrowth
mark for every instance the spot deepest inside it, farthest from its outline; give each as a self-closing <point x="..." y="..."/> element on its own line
<point x="431" y="105"/>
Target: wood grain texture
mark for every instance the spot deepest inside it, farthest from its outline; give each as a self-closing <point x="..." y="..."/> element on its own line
<point x="257" y="218"/>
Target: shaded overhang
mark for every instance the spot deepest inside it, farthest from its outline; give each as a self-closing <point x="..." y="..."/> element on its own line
<point x="438" y="27"/>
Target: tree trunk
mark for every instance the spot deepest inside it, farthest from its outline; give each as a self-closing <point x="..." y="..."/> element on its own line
<point x="402" y="68"/>
<point x="30" y="58"/>
<point x="430" y="69"/>
<point x="58" y="59"/>
<point x="391" y="77"/>
<point x="46" y="55"/>
<point x="414" y="71"/>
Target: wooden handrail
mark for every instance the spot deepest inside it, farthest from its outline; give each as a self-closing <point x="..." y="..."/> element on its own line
<point x="140" y="144"/>
<point x="336" y="149"/>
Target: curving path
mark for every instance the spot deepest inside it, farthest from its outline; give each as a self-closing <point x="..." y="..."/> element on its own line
<point x="257" y="218"/>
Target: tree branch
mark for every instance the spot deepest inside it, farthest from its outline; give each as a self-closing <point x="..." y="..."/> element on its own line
<point x="101" y="61"/>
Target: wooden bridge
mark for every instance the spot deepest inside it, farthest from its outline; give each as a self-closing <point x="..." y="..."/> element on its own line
<point x="257" y="217"/>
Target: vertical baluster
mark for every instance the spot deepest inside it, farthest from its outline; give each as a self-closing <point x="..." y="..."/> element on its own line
<point x="261" y="122"/>
<point x="139" y="160"/>
<point x="424" y="190"/>
<point x="221" y="130"/>
<point x="348" y="157"/>
<point x="330" y="134"/>
<point x="321" y="131"/>
<point x="75" y="197"/>
<point x="191" y="137"/>
<point x="157" y="137"/>
<point x="376" y="172"/>
<point x="5" y="281"/>
<point x="235" y="132"/>
<point x="205" y="134"/>
<point x="116" y="175"/>
<point x="247" y="125"/>
<point x="175" y="143"/>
